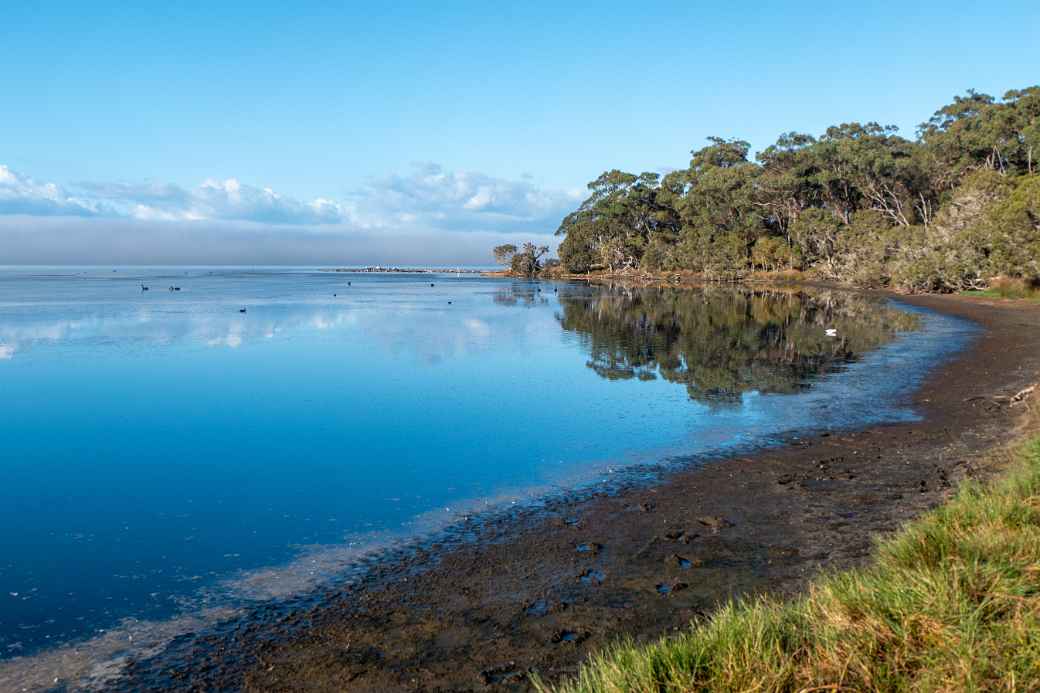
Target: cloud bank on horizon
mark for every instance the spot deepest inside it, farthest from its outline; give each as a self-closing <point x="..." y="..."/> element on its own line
<point x="427" y="215"/>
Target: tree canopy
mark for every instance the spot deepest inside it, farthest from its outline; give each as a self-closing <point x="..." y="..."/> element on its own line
<point x="525" y="261"/>
<point x="947" y="210"/>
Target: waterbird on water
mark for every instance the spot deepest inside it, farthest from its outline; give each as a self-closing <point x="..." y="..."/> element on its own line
<point x="144" y="288"/>
<point x="241" y="310"/>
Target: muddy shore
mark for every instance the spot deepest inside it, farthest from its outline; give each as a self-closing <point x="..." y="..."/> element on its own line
<point x="538" y="593"/>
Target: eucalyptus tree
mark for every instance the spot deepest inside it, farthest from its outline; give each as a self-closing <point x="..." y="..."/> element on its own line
<point x="528" y="261"/>
<point x="859" y="203"/>
<point x="787" y="184"/>
<point x="617" y="222"/>
<point x="719" y="219"/>
<point x="504" y="253"/>
<point x="979" y="131"/>
<point x="870" y="166"/>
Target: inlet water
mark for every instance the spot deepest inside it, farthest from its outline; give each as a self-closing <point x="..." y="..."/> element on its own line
<point x="163" y="450"/>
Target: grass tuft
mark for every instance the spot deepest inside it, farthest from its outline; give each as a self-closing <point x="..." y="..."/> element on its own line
<point x="951" y="603"/>
<point x="1003" y="287"/>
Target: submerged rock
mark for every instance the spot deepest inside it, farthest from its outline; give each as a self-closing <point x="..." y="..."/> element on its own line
<point x="592" y="577"/>
<point x="568" y="636"/>
<point x="537" y="608"/>
<point x="667" y="588"/>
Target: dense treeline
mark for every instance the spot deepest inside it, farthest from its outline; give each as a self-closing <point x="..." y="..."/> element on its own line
<point x="950" y="210"/>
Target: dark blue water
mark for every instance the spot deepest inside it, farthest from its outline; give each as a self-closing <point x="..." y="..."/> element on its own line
<point x="162" y="451"/>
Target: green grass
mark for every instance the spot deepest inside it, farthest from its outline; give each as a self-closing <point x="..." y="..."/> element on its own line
<point x="1008" y="288"/>
<point x="951" y="603"/>
<point x="994" y="293"/>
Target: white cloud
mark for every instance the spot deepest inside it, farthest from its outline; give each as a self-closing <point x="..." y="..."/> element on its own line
<point x="220" y="200"/>
<point x="428" y="215"/>
<point x="428" y="198"/>
<point x="464" y="201"/>
<point x="22" y="195"/>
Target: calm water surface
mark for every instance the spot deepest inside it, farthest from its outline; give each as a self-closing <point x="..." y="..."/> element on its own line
<point x="162" y="451"/>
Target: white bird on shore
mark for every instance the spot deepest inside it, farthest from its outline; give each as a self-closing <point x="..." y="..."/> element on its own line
<point x="831" y="332"/>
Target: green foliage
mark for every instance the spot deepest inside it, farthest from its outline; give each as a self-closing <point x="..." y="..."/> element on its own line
<point x="814" y="233"/>
<point x="948" y="211"/>
<point x="989" y="228"/>
<point x="528" y="261"/>
<point x="1010" y="288"/>
<point x="977" y="131"/>
<point x="658" y="256"/>
<point x="773" y="254"/>
<point x="577" y="251"/>
<point x="866" y="246"/>
<point x="615" y="224"/>
<point x="504" y="253"/>
<point x="1013" y="226"/>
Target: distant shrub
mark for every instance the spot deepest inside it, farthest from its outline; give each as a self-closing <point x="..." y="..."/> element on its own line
<point x="987" y="228"/>
<point x="1012" y="228"/>
<point x="659" y="256"/>
<point x="774" y="254"/>
<point x="1007" y="287"/>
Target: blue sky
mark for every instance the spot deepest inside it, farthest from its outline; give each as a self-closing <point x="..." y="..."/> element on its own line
<point x="444" y="118"/>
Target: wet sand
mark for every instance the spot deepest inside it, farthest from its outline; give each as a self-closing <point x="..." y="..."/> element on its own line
<point x="538" y="591"/>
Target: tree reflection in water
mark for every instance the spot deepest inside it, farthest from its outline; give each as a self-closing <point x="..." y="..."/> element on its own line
<point x="721" y="342"/>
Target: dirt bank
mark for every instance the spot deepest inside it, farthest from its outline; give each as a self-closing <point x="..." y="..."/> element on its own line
<point x="538" y="593"/>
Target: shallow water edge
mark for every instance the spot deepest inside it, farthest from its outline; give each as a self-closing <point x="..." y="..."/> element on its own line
<point x="325" y="571"/>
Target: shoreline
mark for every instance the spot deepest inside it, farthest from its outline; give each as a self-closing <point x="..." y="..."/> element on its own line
<point x="524" y="598"/>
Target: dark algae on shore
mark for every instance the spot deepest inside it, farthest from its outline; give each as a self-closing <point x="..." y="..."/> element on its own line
<point x="489" y="614"/>
<point x="950" y="603"/>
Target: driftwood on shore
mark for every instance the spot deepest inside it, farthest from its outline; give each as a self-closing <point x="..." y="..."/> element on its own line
<point x="1021" y="395"/>
<point x="1011" y="400"/>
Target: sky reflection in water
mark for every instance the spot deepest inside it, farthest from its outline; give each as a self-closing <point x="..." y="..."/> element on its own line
<point x="156" y="443"/>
